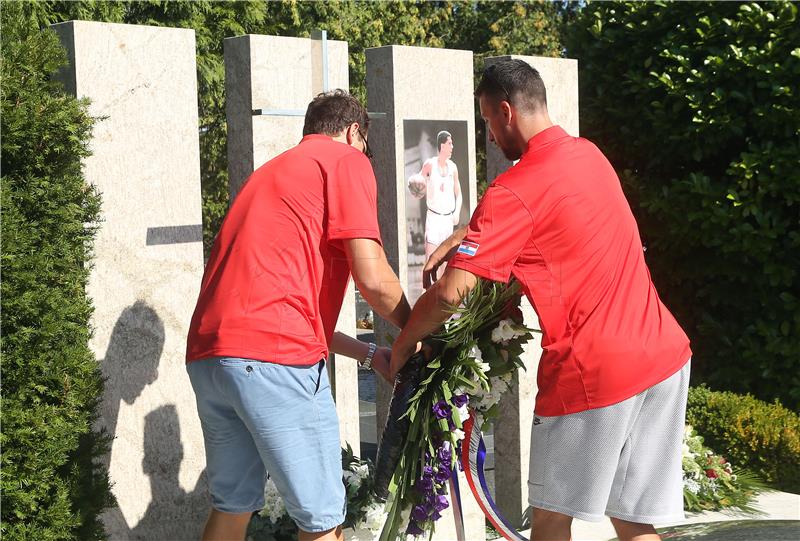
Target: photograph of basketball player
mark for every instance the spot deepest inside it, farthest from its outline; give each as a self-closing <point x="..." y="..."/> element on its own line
<point x="438" y="182"/>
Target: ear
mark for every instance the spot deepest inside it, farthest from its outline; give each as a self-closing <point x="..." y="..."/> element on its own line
<point x="508" y="111"/>
<point x="350" y="132"/>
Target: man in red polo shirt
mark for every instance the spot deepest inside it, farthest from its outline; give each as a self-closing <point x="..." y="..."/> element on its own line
<point x="613" y="376"/>
<point x="264" y="324"/>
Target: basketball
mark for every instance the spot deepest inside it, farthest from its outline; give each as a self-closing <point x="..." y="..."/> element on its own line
<point x="416" y="185"/>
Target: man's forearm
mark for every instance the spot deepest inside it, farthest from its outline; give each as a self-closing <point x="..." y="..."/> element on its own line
<point x="431" y="310"/>
<point x="387" y="299"/>
<point x="341" y="344"/>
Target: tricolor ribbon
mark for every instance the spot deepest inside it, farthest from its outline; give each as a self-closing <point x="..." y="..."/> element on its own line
<point x="473" y="453"/>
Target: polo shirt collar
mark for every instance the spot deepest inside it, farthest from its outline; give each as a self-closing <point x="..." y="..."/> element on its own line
<point x="546" y="137"/>
<point x="316" y="136"/>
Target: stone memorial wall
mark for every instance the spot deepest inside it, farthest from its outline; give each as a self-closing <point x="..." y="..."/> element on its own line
<point x="148" y="263"/>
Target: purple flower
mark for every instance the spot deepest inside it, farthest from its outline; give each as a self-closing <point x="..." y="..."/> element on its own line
<point x="441" y="503"/>
<point x="435" y="515"/>
<point x="419" y="513"/>
<point x="442" y="475"/>
<point x="460" y="400"/>
<point x="441" y="409"/>
<point x="444" y="456"/>
<point x="427" y="471"/>
<point x="425" y="484"/>
<point x="414" y="529"/>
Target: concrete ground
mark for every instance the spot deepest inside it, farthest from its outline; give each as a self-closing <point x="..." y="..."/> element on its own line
<point x="774" y="506"/>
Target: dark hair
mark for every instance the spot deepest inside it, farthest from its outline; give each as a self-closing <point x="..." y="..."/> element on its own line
<point x="331" y="112"/>
<point x="441" y="138"/>
<point x="514" y="81"/>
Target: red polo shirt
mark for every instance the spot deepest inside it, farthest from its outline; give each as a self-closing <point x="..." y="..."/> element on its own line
<point x="274" y="283"/>
<point x="559" y="222"/>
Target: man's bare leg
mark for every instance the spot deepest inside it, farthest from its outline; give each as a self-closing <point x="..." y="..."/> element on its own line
<point x="550" y="526"/>
<point x="334" y="534"/>
<point x="226" y="526"/>
<point x="633" y="531"/>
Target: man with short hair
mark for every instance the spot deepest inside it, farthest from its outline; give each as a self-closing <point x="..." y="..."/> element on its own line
<point x="264" y="324"/>
<point x="614" y="372"/>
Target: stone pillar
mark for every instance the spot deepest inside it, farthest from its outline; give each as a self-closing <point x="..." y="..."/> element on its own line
<point x="148" y="263"/>
<point x="413" y="83"/>
<point x="512" y="431"/>
<point x="281" y="73"/>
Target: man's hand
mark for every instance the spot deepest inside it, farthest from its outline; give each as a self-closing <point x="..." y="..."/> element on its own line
<point x="400" y="355"/>
<point x="430" y="271"/>
<point x="442" y="254"/>
<point x="381" y="363"/>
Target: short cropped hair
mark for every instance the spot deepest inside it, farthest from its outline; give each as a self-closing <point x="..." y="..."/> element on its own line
<point x="514" y="81"/>
<point x="331" y="112"/>
<point x="441" y="138"/>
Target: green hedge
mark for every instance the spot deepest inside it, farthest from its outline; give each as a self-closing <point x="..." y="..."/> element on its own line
<point x="52" y="485"/>
<point x="696" y="105"/>
<point x="750" y="433"/>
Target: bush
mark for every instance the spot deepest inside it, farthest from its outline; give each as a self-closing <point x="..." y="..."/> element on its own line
<point x="52" y="485"/>
<point x="762" y="437"/>
<point x="696" y="105"/>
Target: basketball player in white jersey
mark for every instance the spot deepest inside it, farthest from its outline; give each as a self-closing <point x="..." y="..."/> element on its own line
<point x="438" y="181"/>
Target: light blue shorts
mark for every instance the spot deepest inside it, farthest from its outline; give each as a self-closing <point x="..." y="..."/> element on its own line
<point x="260" y="417"/>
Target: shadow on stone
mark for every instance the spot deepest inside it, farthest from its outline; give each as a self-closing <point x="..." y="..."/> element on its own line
<point x="173" y="513"/>
<point x="131" y="360"/>
<point x="131" y="364"/>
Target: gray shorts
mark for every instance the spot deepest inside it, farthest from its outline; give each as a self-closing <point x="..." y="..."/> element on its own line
<point x="623" y="460"/>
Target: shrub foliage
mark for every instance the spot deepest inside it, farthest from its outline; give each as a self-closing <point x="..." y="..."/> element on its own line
<point x="52" y="486"/>
<point x="752" y="434"/>
<point x="696" y="105"/>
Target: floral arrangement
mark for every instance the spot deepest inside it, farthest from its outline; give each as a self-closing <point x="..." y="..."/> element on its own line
<point x="710" y="483"/>
<point x="273" y="523"/>
<point x="478" y="354"/>
<point x="478" y="357"/>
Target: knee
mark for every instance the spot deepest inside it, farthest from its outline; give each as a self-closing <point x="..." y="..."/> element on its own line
<point x="541" y="518"/>
<point x="633" y="530"/>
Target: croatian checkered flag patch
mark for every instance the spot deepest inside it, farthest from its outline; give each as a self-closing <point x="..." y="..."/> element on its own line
<point x="468" y="248"/>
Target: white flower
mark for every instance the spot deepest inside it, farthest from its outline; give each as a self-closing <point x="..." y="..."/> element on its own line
<point x="499" y="385"/>
<point x="405" y="514"/>
<point x="274" y="508"/>
<point x="686" y="452"/>
<point x="463" y="413"/>
<point x="476" y="353"/>
<point x="497" y="336"/>
<point x="487" y="399"/>
<point x="507" y="378"/>
<point x="374" y="516"/>
<point x="458" y="434"/>
<point x="506" y="330"/>
<point x="692" y="486"/>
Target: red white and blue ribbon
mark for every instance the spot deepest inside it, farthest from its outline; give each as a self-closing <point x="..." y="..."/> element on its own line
<point x="473" y="456"/>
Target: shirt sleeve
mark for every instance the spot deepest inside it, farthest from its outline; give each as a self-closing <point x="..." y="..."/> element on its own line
<point x="498" y="231"/>
<point x="351" y="191"/>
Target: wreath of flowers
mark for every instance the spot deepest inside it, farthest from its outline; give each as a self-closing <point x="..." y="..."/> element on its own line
<point x="476" y="364"/>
